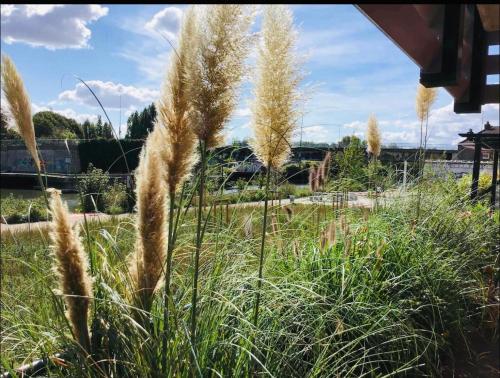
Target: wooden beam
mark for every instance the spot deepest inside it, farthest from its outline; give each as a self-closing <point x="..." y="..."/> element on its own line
<point x="490" y="16"/>
<point x="404" y="25"/>
<point x="491" y="94"/>
<point x="451" y="28"/>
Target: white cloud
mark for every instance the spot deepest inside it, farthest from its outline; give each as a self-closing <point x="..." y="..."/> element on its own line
<point x="50" y="26"/>
<point x="242" y="112"/>
<point x="166" y="22"/>
<point x="316" y="133"/>
<point x="109" y="94"/>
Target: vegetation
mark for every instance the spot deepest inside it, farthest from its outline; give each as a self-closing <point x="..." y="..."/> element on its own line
<point x="92" y="187"/>
<point x="19" y="210"/>
<point x="182" y="289"/>
<point x="140" y="124"/>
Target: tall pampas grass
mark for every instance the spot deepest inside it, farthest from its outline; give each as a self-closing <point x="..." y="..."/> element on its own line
<point x="19" y="107"/>
<point x="424" y="101"/>
<point x="71" y="268"/>
<point x="217" y="69"/>
<point x="215" y="72"/>
<point x="274" y="113"/>
<point x="325" y="168"/>
<point x="373" y="137"/>
<point x="146" y="264"/>
<point x="175" y="130"/>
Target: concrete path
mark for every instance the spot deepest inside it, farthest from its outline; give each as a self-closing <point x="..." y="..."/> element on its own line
<point x="357" y="199"/>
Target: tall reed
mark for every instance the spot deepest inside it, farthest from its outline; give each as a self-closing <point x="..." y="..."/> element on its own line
<point x="424" y="101"/>
<point x="178" y="139"/>
<point x="373" y="148"/>
<point x="146" y="262"/>
<point x="274" y="114"/>
<point x="71" y="268"/>
<point x="19" y="107"/>
<point x="222" y="43"/>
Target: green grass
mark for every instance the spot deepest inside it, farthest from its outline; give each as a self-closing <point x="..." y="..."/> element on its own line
<point x="338" y="312"/>
<point x="18" y="210"/>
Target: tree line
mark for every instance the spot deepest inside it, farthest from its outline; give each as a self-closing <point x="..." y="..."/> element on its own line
<point x="51" y="125"/>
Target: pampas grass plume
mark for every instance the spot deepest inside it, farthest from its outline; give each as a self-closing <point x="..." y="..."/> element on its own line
<point x="19" y="106"/>
<point x="71" y="268"/>
<point x="149" y="253"/>
<point x="178" y="138"/>
<point x="217" y="69"/>
<point x="425" y="99"/>
<point x="274" y="109"/>
<point x="373" y="137"/>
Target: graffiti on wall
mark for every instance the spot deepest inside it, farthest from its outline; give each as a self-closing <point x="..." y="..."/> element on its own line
<point x="53" y="161"/>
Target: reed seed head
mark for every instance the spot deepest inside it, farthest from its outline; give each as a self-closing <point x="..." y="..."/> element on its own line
<point x="274" y="113"/>
<point x="177" y="151"/>
<point x="19" y="106"/>
<point x="217" y="68"/>
<point x="425" y="99"/>
<point x="146" y="265"/>
<point x="373" y="137"/>
<point x="71" y="268"/>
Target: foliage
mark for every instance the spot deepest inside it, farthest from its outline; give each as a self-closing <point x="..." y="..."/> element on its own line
<point x="92" y="187"/>
<point x="351" y="162"/>
<point x="465" y="182"/>
<point x="107" y="155"/>
<point x="115" y="198"/>
<point x="389" y="296"/>
<point x="18" y="210"/>
<point x="7" y="132"/>
<point x="140" y="124"/>
<point x="240" y="184"/>
<point x="49" y="124"/>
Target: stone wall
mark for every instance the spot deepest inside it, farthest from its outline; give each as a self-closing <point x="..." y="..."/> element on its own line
<point x="58" y="156"/>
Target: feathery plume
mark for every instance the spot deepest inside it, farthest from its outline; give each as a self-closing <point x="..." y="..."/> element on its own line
<point x="425" y="99"/>
<point x="71" y="268"/>
<point x="328" y="236"/>
<point x="19" y="106"/>
<point x="149" y="252"/>
<point x="313" y="178"/>
<point x="247" y="227"/>
<point x="217" y="68"/>
<point x="274" y="223"/>
<point x="325" y="168"/>
<point x="274" y="112"/>
<point x="289" y="213"/>
<point x="179" y="141"/>
<point x="373" y="137"/>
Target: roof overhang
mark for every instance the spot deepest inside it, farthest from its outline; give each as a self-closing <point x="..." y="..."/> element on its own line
<point x="449" y="42"/>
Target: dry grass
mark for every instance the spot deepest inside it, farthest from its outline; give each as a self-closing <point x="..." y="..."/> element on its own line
<point x="217" y="68"/>
<point x="146" y="265"/>
<point x="71" y="268"/>
<point x="373" y="137"/>
<point x="425" y="99"/>
<point x="179" y="141"/>
<point x="274" y="109"/>
<point x="19" y="106"/>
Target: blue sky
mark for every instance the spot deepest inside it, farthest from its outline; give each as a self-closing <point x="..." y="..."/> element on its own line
<point x="352" y="69"/>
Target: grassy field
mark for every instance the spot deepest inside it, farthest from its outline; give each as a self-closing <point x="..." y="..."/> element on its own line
<point x="385" y="296"/>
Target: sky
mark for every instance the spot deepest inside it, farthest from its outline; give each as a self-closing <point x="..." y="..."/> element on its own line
<point x="351" y="70"/>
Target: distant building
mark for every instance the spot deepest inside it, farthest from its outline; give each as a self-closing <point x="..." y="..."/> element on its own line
<point x="466" y="147"/>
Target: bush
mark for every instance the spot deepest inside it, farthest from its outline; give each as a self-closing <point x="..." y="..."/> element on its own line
<point x="115" y="199"/>
<point x="465" y="182"/>
<point x="92" y="188"/>
<point x="19" y="210"/>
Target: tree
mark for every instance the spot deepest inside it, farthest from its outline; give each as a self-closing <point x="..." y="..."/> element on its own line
<point x="140" y="124"/>
<point x="49" y="124"/>
<point x="352" y="161"/>
<point x="6" y="132"/>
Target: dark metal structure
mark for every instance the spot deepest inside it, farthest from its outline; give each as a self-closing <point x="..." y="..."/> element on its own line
<point x="489" y="137"/>
<point x="450" y="43"/>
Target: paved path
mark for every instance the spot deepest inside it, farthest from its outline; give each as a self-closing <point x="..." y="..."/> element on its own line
<point x="358" y="199"/>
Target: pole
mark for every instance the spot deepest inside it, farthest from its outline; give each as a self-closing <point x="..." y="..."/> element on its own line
<point x="405" y="170"/>
<point x="475" y="169"/>
<point x="494" y="180"/>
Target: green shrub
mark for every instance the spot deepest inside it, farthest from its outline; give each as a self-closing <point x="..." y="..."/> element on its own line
<point x="465" y="182"/>
<point x="115" y="198"/>
<point x="92" y="188"/>
<point x="19" y="210"/>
